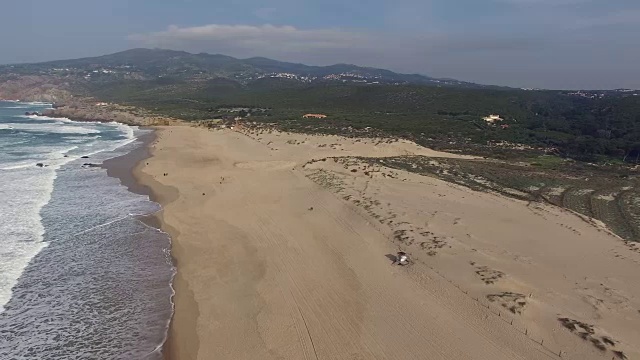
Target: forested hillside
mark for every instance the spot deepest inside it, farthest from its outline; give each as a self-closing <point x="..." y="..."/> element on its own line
<point x="583" y="125"/>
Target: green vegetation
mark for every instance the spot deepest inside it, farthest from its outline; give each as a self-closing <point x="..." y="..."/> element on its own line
<point x="444" y="118"/>
<point x="548" y="162"/>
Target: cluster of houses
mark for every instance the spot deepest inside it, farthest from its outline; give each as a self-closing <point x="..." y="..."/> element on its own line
<point x="306" y="79"/>
<point x="314" y="116"/>
<point x="493" y="120"/>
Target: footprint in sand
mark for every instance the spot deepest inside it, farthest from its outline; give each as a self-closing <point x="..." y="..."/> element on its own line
<point x="513" y="302"/>
<point x="593" y="335"/>
<point x="433" y="243"/>
<point x="403" y="236"/>
<point x="488" y="275"/>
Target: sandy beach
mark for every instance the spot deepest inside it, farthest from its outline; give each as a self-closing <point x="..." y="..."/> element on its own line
<point x="284" y="246"/>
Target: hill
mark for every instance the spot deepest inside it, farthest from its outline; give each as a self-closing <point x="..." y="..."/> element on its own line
<point x="444" y="114"/>
<point x="147" y="64"/>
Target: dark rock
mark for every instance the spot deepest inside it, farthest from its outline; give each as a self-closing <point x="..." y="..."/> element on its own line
<point x="40" y="165"/>
<point x="90" y="165"/>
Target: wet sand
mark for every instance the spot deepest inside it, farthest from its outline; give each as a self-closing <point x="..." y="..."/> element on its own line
<point x="122" y="167"/>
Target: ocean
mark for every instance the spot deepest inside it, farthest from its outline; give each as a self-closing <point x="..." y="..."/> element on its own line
<point x="81" y="277"/>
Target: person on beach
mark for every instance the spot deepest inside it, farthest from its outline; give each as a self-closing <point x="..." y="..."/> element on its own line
<point x="402" y="258"/>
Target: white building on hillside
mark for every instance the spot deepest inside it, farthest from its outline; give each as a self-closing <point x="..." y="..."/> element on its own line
<point x="492" y="119"/>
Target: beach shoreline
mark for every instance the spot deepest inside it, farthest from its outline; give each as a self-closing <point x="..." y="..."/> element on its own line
<point x="98" y="266"/>
<point x="123" y="167"/>
<point x="165" y="195"/>
<point x="126" y="168"/>
<point x="129" y="169"/>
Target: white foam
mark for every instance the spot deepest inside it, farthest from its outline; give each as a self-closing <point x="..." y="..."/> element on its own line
<point x="129" y="132"/>
<point x="37" y="103"/>
<point x="26" y="189"/>
<point x="52" y="158"/>
<point x="49" y="304"/>
<point x="18" y="166"/>
<point x="83" y="138"/>
<point x="58" y="128"/>
<point x="24" y="193"/>
<point x="127" y="129"/>
<point x="48" y="118"/>
<point x="116" y="145"/>
<point x="11" y="142"/>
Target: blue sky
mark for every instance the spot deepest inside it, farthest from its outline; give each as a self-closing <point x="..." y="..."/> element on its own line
<point x="524" y="43"/>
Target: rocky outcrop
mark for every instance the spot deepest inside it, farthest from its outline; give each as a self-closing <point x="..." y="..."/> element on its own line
<point x="35" y="88"/>
<point x="58" y="90"/>
<point x="87" y="109"/>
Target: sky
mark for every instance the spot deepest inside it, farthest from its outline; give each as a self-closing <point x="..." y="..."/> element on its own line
<point x="552" y="44"/>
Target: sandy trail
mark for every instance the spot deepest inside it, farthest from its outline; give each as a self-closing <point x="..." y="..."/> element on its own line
<point x="274" y="263"/>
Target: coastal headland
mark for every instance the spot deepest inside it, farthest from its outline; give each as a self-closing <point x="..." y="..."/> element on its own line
<point x="84" y="109"/>
<point x="285" y="243"/>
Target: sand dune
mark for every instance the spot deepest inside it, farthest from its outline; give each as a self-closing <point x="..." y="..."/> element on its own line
<point x="284" y="252"/>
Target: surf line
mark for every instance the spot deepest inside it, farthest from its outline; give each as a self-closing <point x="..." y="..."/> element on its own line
<point x="101" y="225"/>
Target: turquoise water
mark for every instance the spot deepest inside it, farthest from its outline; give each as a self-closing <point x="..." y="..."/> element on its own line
<point x="80" y="276"/>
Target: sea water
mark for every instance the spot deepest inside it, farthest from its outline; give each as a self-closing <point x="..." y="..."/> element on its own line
<point x="80" y="276"/>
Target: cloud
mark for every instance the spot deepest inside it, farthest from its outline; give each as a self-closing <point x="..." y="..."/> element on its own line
<point x="248" y="37"/>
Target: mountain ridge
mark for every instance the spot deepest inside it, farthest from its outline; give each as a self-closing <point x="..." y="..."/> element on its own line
<point x="147" y="64"/>
<point x="199" y="87"/>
